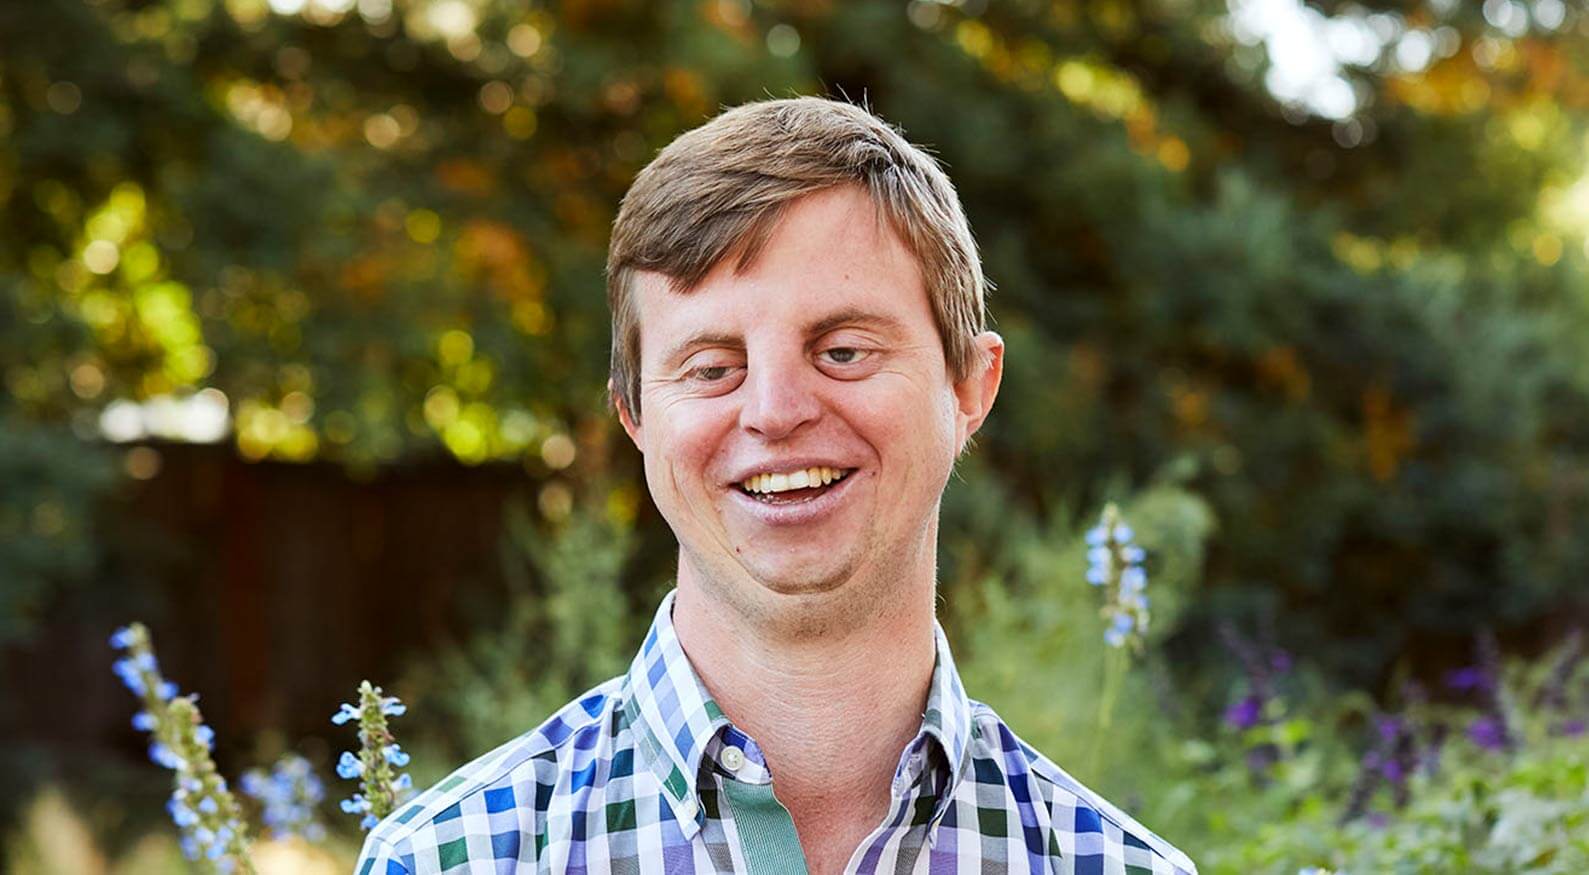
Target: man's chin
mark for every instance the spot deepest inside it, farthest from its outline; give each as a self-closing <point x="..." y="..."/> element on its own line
<point x="797" y="581"/>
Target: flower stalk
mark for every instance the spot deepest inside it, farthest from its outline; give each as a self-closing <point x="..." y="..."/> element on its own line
<point x="378" y="758"/>
<point x="1115" y="565"/>
<point x="289" y="795"/>
<point x="213" y="830"/>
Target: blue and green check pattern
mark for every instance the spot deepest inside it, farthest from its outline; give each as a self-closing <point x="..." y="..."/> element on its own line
<point x="644" y="774"/>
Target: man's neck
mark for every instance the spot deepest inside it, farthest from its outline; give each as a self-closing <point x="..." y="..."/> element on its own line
<point x="831" y="712"/>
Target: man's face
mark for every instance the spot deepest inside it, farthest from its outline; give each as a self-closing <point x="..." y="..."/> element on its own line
<point x="798" y="420"/>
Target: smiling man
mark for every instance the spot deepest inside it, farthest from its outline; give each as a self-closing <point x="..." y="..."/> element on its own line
<point x="799" y="353"/>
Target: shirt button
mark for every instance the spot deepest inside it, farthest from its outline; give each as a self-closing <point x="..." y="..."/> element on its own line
<point x="733" y="759"/>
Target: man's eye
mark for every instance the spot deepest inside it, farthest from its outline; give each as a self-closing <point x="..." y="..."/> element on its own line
<point x="845" y="355"/>
<point x="709" y="373"/>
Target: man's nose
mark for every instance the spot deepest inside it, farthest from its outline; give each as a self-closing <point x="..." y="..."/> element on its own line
<point x="780" y="396"/>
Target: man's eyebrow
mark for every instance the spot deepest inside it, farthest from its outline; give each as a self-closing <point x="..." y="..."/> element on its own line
<point x="853" y="316"/>
<point x="701" y="339"/>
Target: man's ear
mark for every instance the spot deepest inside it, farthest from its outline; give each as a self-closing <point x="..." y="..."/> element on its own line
<point x="631" y="426"/>
<point x="975" y="393"/>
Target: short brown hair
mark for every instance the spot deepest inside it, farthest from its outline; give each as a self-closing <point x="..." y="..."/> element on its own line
<point x="723" y="186"/>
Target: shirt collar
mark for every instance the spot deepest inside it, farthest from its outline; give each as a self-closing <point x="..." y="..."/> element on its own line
<point x="674" y="718"/>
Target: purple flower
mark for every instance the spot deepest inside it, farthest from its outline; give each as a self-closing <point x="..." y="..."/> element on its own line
<point x="1393" y="771"/>
<point x="1572" y="728"/>
<point x="1245" y="714"/>
<point x="1472" y="678"/>
<point x="1489" y="733"/>
<point x="1390" y="727"/>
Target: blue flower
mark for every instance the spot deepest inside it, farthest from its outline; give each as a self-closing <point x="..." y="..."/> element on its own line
<point x="143" y="721"/>
<point x="253" y="783"/>
<point x="290" y="795"/>
<point x="166" y="691"/>
<point x="347" y="712"/>
<point x="165" y="756"/>
<point x="1097" y="535"/>
<point x="391" y="707"/>
<point x="1121" y="627"/>
<point x="395" y="755"/>
<point x="181" y="814"/>
<point x="208" y="806"/>
<point x="1133" y="579"/>
<point x="205" y="735"/>
<point x="122" y="638"/>
<point x="127" y="670"/>
<point x="349" y="767"/>
<point x="368" y="822"/>
<point x="403" y="782"/>
<point x="355" y="804"/>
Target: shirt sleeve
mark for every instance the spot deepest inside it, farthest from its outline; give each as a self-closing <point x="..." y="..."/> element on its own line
<point x="379" y="858"/>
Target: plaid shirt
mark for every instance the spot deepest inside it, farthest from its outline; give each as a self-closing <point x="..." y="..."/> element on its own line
<point x="644" y="774"/>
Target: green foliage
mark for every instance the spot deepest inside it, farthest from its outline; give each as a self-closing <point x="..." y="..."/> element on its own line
<point x="1029" y="638"/>
<point x="1468" y="808"/>
<point x="380" y="238"/>
<point x="565" y="626"/>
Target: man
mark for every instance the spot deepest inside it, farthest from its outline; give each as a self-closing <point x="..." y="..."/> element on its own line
<point x="799" y="353"/>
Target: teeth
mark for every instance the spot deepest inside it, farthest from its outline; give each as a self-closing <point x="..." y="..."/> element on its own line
<point x="771" y="482"/>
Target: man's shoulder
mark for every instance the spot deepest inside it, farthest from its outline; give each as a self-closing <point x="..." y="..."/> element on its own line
<point x="515" y="776"/>
<point x="1078" y="815"/>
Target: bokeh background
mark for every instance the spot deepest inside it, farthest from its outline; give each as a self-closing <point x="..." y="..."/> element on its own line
<point x="303" y="344"/>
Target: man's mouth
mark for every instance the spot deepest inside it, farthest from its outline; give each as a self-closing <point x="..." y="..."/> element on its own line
<point x="789" y="487"/>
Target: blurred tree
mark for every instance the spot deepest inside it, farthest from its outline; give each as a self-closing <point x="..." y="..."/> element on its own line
<point x="377" y="228"/>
